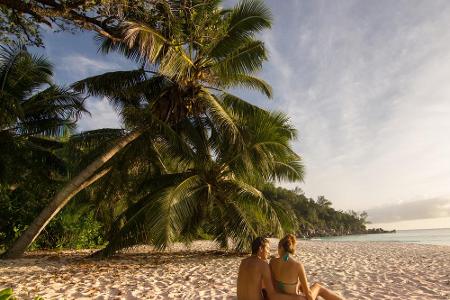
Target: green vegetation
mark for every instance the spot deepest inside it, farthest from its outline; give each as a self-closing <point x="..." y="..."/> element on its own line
<point x="32" y="109"/>
<point x="193" y="160"/>
<point x="22" y="20"/>
<point x="8" y="294"/>
<point x="317" y="217"/>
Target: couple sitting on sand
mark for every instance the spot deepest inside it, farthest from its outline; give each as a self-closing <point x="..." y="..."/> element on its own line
<point x="282" y="278"/>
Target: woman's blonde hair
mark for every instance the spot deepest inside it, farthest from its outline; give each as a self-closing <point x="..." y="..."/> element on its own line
<point x="288" y="243"/>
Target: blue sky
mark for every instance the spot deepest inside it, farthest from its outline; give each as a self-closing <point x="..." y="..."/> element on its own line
<point x="366" y="83"/>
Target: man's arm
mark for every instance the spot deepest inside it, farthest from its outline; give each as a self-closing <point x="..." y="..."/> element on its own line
<point x="267" y="280"/>
<point x="271" y="266"/>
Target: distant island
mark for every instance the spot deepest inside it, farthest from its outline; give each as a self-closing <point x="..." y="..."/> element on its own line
<point x="332" y="232"/>
<point x="380" y="230"/>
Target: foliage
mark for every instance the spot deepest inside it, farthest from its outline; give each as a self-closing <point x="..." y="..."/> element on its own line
<point x="31" y="109"/>
<point x="205" y="161"/>
<point x="195" y="50"/>
<point x="8" y="294"/>
<point x="318" y="217"/>
<point x="180" y="97"/>
<point x="214" y="186"/>
<point x="187" y="62"/>
<point x="35" y="118"/>
<point x="77" y="226"/>
<point x="21" y="20"/>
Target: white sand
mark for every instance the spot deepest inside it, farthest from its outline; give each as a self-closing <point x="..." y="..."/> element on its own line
<point x="355" y="270"/>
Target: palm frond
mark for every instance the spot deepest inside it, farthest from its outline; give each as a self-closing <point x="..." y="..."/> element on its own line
<point x="247" y="59"/>
<point x="159" y="217"/>
<point x="176" y="64"/>
<point x="114" y="86"/>
<point x="289" y="170"/>
<point x="240" y="106"/>
<point x="242" y="22"/>
<point x="108" y="45"/>
<point x="219" y="113"/>
<point x="250" y="82"/>
<point x="147" y="40"/>
<point x="89" y="140"/>
<point x="84" y="147"/>
<point x="286" y="216"/>
<point x="50" y="111"/>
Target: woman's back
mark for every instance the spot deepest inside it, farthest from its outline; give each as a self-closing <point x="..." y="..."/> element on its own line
<point x="289" y="276"/>
<point x="285" y="274"/>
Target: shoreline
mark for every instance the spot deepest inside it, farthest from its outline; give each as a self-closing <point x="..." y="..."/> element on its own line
<point x="361" y="270"/>
<point x="331" y="239"/>
<point x="313" y="233"/>
<point x="439" y="237"/>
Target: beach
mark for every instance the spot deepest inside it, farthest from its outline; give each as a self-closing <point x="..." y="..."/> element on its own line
<point x="356" y="270"/>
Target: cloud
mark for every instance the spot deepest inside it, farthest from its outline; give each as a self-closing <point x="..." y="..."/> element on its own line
<point x="419" y="209"/>
<point x="76" y="57"/>
<point x="102" y="115"/>
<point x="80" y="66"/>
<point x="367" y="86"/>
<point x="366" y="83"/>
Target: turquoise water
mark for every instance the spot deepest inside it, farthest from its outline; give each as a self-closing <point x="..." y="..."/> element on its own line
<point x="419" y="236"/>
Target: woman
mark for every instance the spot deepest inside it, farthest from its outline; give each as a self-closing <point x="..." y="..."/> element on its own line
<point x="289" y="275"/>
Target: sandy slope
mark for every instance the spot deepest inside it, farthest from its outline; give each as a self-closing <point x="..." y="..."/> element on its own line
<point x="355" y="270"/>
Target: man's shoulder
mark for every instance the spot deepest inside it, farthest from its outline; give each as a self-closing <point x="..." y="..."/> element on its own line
<point x="245" y="260"/>
<point x="251" y="260"/>
<point x="274" y="260"/>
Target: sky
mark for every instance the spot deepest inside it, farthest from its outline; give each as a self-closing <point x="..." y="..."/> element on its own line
<point x="367" y="85"/>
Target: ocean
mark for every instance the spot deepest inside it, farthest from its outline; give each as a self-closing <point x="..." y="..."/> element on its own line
<point x="420" y="236"/>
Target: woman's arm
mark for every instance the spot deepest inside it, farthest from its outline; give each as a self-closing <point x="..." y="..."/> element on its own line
<point x="304" y="282"/>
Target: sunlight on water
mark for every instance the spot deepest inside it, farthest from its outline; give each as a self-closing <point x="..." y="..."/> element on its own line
<point x="420" y="236"/>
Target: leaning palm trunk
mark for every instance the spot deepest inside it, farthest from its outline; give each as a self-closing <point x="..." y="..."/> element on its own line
<point x="78" y="183"/>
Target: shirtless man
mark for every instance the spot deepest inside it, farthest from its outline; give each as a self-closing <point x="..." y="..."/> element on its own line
<point x="254" y="280"/>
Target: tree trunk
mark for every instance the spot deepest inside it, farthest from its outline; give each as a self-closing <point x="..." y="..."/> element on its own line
<point x="78" y="183"/>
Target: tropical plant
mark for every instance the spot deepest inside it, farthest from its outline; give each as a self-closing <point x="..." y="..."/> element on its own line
<point x="215" y="186"/>
<point x="22" y="20"/>
<point x="323" y="202"/>
<point x="317" y="218"/>
<point x="8" y="294"/>
<point x="33" y="111"/>
<point x="31" y="106"/>
<point x="188" y="60"/>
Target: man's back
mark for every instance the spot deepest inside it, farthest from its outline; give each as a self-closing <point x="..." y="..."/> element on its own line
<point x="250" y="278"/>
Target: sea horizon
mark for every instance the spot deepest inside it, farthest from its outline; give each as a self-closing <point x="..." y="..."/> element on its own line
<point x="436" y="236"/>
<point x="438" y="228"/>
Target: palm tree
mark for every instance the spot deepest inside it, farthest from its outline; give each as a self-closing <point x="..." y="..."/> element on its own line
<point x="214" y="186"/>
<point x="34" y="115"/>
<point x="31" y="107"/>
<point x="190" y="54"/>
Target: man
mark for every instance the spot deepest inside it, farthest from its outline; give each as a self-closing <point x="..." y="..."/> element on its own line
<point x="254" y="280"/>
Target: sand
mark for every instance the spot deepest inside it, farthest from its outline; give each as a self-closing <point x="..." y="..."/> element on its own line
<point x="356" y="270"/>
